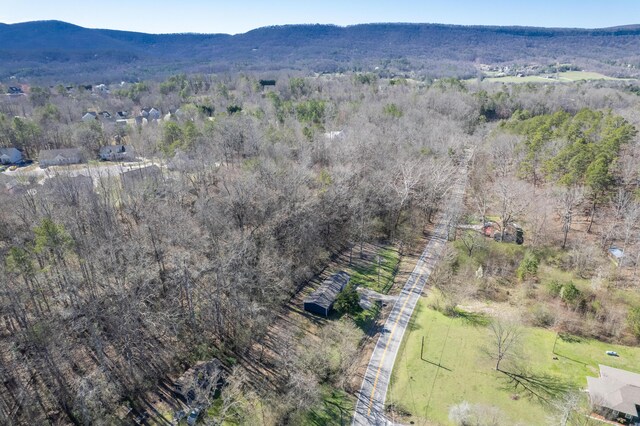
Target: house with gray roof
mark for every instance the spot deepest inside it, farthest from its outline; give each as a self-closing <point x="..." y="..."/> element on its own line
<point x="89" y="116"/>
<point x="616" y="394"/>
<point x="59" y="157"/>
<point x="10" y="155"/>
<point x="321" y="301"/>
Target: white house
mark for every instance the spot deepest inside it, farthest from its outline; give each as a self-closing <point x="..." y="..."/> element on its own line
<point x="10" y="155"/>
<point x="117" y="153"/>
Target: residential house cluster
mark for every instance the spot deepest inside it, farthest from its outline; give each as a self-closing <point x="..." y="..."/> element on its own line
<point x="145" y="116"/>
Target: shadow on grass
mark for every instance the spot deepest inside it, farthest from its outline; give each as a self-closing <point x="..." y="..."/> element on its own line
<point x="437" y="365"/>
<point x="334" y="412"/>
<point x="413" y="324"/>
<point x="545" y="388"/>
<point x="366" y="319"/>
<point x="566" y="337"/>
<point x="474" y="319"/>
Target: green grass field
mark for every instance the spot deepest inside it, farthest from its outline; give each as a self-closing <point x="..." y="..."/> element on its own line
<point x="376" y="276"/>
<point x="336" y="408"/>
<point x="562" y="77"/>
<point x="456" y="369"/>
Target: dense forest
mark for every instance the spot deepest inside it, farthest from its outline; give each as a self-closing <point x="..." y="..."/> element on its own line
<point x="50" y="50"/>
<point x="112" y="285"/>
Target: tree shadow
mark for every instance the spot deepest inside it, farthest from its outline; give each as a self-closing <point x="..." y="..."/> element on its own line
<point x="474" y="319"/>
<point x="437" y="365"/>
<point x="569" y="338"/>
<point x="544" y="388"/>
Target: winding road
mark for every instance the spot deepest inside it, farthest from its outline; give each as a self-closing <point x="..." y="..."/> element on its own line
<point x="373" y="392"/>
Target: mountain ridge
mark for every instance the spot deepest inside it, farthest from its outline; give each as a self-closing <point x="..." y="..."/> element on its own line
<point x="56" y="49"/>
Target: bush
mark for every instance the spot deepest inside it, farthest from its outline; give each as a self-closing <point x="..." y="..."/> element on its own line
<point x="554" y="288"/>
<point x="348" y="301"/>
<point x="569" y="293"/>
<point x="540" y="316"/>
<point x="528" y="267"/>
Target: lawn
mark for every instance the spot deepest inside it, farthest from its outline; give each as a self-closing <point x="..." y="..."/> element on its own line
<point x="566" y="76"/>
<point x="336" y="408"/>
<point x="456" y="369"/>
<point x="376" y="273"/>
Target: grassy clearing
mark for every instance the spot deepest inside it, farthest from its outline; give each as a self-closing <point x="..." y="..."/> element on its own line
<point x="456" y="369"/>
<point x="562" y="77"/>
<point x="377" y="272"/>
<point x="336" y="408"/>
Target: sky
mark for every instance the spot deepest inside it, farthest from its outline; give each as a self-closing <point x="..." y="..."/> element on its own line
<point x="238" y="16"/>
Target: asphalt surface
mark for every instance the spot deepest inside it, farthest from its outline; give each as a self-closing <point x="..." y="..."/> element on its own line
<point x="371" y="398"/>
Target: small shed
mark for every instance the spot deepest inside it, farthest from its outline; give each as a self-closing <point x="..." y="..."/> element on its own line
<point x="321" y="301"/>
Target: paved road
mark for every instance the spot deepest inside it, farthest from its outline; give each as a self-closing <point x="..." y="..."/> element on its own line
<point x="372" y="395"/>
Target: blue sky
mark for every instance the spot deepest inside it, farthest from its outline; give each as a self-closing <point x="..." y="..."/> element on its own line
<point x="229" y="16"/>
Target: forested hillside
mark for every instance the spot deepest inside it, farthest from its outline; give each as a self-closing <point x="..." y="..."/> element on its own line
<point x="50" y="50"/>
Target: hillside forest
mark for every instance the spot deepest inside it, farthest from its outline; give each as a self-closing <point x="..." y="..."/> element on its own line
<point x="109" y="286"/>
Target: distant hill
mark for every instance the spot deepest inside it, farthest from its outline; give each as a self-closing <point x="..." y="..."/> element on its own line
<point x="55" y="50"/>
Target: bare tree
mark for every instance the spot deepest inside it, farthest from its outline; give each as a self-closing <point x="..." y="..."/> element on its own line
<point x="567" y="201"/>
<point x="512" y="200"/>
<point x="505" y="340"/>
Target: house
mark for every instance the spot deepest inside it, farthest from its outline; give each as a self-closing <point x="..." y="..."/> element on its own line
<point x="10" y="155"/>
<point x="59" y="157"/>
<point x="14" y="90"/>
<point x="12" y="186"/>
<point x="265" y="83"/>
<point x="122" y="115"/>
<point x="105" y="115"/>
<point x="117" y="153"/>
<point x="616" y="394"/>
<point x="150" y="114"/>
<point x="102" y="88"/>
<point x="204" y="377"/>
<point x="321" y="301"/>
<point x="89" y="116"/>
<point x="154" y="114"/>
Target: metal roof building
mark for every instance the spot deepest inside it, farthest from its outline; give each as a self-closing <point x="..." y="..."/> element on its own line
<point x="321" y="301"/>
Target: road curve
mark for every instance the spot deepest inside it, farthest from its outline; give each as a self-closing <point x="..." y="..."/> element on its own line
<point x="371" y="397"/>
